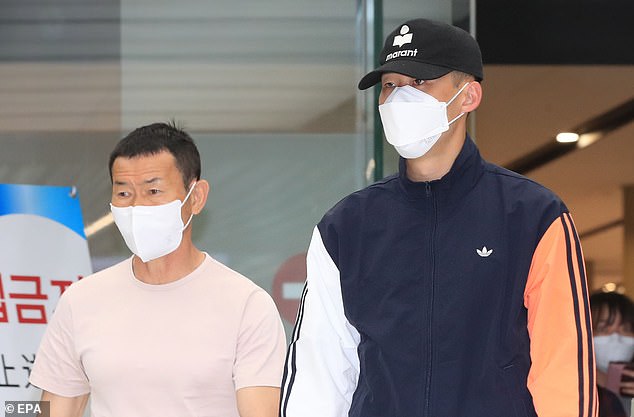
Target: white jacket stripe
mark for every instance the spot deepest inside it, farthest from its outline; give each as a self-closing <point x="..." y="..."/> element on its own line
<point x="322" y="366"/>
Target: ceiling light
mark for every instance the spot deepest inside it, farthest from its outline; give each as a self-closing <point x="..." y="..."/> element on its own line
<point x="567" y="137"/>
<point x="587" y="139"/>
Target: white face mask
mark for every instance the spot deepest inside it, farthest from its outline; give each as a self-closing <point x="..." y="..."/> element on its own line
<point x="152" y="231"/>
<point x="612" y="348"/>
<point x="413" y="120"/>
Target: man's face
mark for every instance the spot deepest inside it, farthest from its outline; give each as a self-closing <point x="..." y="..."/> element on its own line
<point x="146" y="181"/>
<point x="442" y="88"/>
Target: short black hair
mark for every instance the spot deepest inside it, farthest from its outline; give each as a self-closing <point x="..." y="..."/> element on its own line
<point x="459" y="78"/>
<point x="616" y="305"/>
<point x="156" y="138"/>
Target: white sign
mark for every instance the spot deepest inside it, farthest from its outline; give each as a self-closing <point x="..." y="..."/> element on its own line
<point x="43" y="250"/>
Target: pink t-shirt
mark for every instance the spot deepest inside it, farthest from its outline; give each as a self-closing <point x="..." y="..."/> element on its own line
<point x="173" y="350"/>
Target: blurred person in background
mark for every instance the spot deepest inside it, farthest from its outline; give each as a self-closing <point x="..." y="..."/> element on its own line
<point x="613" y="328"/>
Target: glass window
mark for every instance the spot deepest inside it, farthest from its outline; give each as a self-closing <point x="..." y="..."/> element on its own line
<point x="267" y="89"/>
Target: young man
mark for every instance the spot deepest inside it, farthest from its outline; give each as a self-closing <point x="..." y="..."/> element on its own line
<point x="169" y="331"/>
<point x="455" y="288"/>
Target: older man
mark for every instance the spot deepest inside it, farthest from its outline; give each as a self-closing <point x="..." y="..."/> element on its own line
<point x="169" y="331"/>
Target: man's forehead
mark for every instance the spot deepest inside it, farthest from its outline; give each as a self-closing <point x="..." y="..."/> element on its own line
<point x="148" y="167"/>
<point x="158" y="160"/>
<point x="399" y="75"/>
<point x="394" y="74"/>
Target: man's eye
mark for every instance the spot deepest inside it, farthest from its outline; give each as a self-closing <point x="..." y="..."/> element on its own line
<point x="389" y="84"/>
<point x="154" y="191"/>
<point x="418" y="82"/>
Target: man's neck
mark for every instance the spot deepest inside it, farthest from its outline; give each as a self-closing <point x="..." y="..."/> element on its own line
<point x="436" y="163"/>
<point x="169" y="268"/>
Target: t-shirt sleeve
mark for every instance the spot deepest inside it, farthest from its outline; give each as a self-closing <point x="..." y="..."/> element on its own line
<point x="261" y="346"/>
<point x="57" y="368"/>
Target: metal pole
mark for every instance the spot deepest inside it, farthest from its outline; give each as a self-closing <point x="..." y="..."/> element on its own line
<point x="378" y="127"/>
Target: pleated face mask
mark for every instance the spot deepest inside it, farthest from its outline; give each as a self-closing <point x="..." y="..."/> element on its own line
<point x="414" y="120"/>
<point x="152" y="231"/>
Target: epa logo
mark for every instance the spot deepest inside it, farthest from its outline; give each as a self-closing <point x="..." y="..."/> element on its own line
<point x="27" y="408"/>
<point x="403" y="38"/>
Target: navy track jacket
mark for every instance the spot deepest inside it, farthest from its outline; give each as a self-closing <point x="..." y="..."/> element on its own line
<point x="461" y="297"/>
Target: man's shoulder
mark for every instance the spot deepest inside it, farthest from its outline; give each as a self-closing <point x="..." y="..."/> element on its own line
<point x="219" y="274"/>
<point x="366" y="198"/>
<point x="523" y="197"/>
<point x="97" y="287"/>
<point x="103" y="278"/>
<point x="519" y="185"/>
<point x="235" y="289"/>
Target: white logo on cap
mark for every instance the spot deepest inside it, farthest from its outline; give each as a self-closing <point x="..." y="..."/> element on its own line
<point x="403" y="38"/>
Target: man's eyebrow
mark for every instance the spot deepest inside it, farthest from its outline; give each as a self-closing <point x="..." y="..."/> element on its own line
<point x="152" y="180"/>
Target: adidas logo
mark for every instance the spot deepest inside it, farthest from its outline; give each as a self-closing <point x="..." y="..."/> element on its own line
<point x="484" y="252"/>
<point x="403" y="38"/>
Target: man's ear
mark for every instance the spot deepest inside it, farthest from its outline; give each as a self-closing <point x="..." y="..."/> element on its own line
<point x="199" y="196"/>
<point x="473" y="97"/>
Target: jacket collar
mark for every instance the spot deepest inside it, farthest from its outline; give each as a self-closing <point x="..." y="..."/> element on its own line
<point x="461" y="178"/>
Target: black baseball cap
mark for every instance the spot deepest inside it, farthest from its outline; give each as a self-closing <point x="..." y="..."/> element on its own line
<point x="426" y="49"/>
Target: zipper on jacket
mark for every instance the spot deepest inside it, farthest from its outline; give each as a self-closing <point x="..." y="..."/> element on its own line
<point x="431" y="300"/>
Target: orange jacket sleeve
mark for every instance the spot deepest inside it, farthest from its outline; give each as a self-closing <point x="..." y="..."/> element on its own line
<point x="562" y="376"/>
